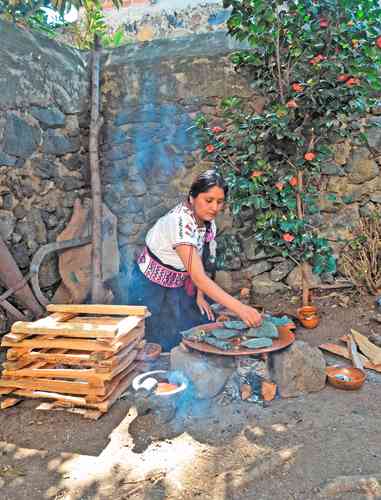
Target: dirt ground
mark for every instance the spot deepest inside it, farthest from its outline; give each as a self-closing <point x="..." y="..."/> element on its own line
<point x="321" y="445"/>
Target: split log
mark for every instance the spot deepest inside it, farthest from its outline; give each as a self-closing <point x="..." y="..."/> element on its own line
<point x="343" y="352"/>
<point x="371" y="351"/>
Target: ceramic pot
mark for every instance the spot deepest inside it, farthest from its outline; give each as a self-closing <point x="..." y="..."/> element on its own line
<point x="308" y="316"/>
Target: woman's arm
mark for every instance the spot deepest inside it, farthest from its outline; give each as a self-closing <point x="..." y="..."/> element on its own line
<point x="193" y="264"/>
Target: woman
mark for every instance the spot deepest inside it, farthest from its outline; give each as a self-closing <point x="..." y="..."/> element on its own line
<point x="171" y="263"/>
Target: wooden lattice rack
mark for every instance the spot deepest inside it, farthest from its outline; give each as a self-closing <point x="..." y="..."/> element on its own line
<point x="80" y="356"/>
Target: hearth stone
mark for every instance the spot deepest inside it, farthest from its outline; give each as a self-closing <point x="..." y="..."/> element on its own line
<point x="207" y="372"/>
<point x="298" y="369"/>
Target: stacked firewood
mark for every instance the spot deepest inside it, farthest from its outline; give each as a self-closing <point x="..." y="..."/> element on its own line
<point x="82" y="356"/>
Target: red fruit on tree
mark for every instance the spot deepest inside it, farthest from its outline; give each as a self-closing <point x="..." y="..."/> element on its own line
<point x="324" y="23"/>
<point x="297" y="87"/>
<point x="291" y="104"/>
<point x="217" y="130"/>
<point x="279" y="186"/>
<point x="343" y="78"/>
<point x="378" y="42"/>
<point x="288" y="237"/>
<point x="310" y="156"/>
<point x="256" y="173"/>
<point x="293" y="181"/>
<point x="352" y="82"/>
<point x="209" y="148"/>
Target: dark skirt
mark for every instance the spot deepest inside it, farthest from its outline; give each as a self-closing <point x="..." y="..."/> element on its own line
<point x="172" y="309"/>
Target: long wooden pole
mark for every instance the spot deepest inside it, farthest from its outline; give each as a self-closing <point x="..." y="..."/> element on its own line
<point x="299" y="206"/>
<point x="97" y="289"/>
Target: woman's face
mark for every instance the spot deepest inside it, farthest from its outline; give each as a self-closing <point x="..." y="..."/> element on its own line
<point x="207" y="205"/>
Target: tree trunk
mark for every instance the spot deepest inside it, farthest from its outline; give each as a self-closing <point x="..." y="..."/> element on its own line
<point x="97" y="289"/>
<point x="299" y="204"/>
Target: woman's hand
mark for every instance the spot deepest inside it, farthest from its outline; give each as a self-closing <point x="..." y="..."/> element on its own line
<point x="204" y="306"/>
<point x="249" y="315"/>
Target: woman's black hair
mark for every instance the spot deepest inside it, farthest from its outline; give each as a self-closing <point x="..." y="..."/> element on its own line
<point x="205" y="181"/>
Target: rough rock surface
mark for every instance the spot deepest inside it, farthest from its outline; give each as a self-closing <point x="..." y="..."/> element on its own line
<point x="208" y="373"/>
<point x="263" y="285"/>
<point x="298" y="369"/>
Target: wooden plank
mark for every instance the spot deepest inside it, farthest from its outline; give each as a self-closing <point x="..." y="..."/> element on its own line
<point x="64" y="398"/>
<point x="100" y="320"/>
<point x="73" y="330"/>
<point x="137" y="330"/>
<point x="19" y="326"/>
<point x="96" y="398"/>
<point x="62" y="343"/>
<point x="84" y="412"/>
<point x="343" y="352"/>
<point x="66" y="358"/>
<point x="117" y="310"/>
<point x="66" y="387"/>
<point x="15" y="353"/>
<point x="5" y="390"/>
<point x="88" y="374"/>
<point x="124" y="384"/>
<point x="125" y="363"/>
<point x="8" y="402"/>
<point x="117" y="358"/>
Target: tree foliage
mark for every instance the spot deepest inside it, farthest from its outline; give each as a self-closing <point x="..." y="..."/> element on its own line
<point x="317" y="66"/>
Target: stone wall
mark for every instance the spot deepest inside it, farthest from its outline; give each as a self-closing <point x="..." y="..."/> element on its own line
<point x="43" y="124"/>
<point x="151" y="94"/>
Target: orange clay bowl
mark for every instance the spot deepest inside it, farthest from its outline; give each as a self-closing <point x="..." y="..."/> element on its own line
<point x="308" y="316"/>
<point x="355" y="375"/>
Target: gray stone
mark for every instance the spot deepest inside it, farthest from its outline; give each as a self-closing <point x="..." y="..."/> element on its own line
<point x="57" y="144"/>
<point x="281" y="270"/>
<point x="232" y="263"/>
<point x="362" y="167"/>
<point x="20" y="138"/>
<point x="19" y="212"/>
<point x="21" y="255"/>
<point x="33" y="228"/>
<point x="137" y="188"/>
<point x="250" y="248"/>
<point x="133" y="206"/>
<point x="70" y="183"/>
<point x="294" y="279"/>
<point x="7" y="201"/>
<point x="45" y="168"/>
<point x="73" y="161"/>
<point x="375" y="197"/>
<point x="374" y="132"/>
<point x="230" y="282"/>
<point x="49" y="274"/>
<point x="332" y="169"/>
<point x="117" y="152"/>
<point x="263" y="285"/>
<point x="259" y="267"/>
<point x="368" y="209"/>
<point x="342" y="151"/>
<point x="298" y="369"/>
<point x="348" y="217"/>
<point x="6" y="160"/>
<point x="207" y="373"/>
<point x="7" y="224"/>
<point x="72" y="125"/>
<point x="48" y="117"/>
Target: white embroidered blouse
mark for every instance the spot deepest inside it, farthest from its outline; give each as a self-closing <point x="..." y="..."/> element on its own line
<point x="177" y="227"/>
